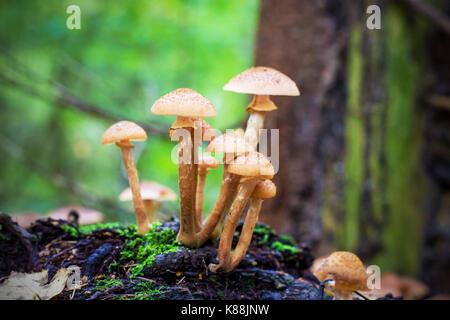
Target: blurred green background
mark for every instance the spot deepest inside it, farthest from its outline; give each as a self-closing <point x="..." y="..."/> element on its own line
<point x="124" y="57"/>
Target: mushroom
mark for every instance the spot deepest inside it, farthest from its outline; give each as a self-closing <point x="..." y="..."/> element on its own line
<point x="265" y="189"/>
<point x="121" y="133"/>
<point x="253" y="167"/>
<point x="187" y="105"/>
<point x="81" y="214"/>
<point x="205" y="162"/>
<point x="25" y="219"/>
<point x="152" y="194"/>
<point x="344" y="272"/>
<point x="229" y="144"/>
<point x="261" y="82"/>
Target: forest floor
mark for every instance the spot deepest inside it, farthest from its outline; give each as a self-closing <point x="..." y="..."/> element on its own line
<point x="117" y="263"/>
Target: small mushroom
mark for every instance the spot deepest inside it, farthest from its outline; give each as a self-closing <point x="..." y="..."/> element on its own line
<point x="205" y="163"/>
<point x="344" y="272"/>
<point x="264" y="190"/>
<point x="253" y="167"/>
<point x="121" y="133"/>
<point x="25" y="219"/>
<point x="229" y="144"/>
<point x="81" y="214"/>
<point x="188" y="106"/>
<point x="152" y="194"/>
<point x="261" y="82"/>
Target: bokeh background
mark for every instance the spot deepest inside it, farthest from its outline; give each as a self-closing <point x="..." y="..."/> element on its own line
<point x="364" y="150"/>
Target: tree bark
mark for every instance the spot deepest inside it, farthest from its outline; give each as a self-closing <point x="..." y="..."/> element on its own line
<point x="301" y="39"/>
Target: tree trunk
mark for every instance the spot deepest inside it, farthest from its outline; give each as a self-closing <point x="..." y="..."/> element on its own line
<point x="351" y="175"/>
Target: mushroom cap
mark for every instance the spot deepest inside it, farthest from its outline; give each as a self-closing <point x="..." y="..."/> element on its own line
<point x="183" y="102"/>
<point x="252" y="164"/>
<point x="150" y="190"/>
<point x="85" y="215"/>
<point x="346" y="269"/>
<point x="25" y="219"/>
<point x="263" y="81"/>
<point x="265" y="189"/>
<point x="228" y="143"/>
<point x="205" y="161"/>
<point x="123" y="131"/>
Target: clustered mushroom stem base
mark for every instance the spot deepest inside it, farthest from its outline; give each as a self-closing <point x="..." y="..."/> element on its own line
<point x="141" y="217"/>
<point x="187" y="181"/>
<point x="215" y="219"/>
<point x="246" y="234"/>
<point x="245" y="190"/>
<point x="199" y="202"/>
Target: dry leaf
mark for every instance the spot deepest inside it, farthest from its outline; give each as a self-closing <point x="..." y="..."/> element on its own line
<point x="33" y="286"/>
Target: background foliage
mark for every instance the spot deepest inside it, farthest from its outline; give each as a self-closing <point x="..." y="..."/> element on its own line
<point x="126" y="55"/>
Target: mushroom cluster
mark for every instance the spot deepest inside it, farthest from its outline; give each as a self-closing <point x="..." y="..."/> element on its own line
<point x="247" y="173"/>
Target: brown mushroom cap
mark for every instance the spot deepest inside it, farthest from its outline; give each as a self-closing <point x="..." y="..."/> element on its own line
<point x="252" y="164"/>
<point x="228" y="143"/>
<point x="205" y="161"/>
<point x="25" y="219"/>
<point x="85" y="215"/>
<point x="123" y="131"/>
<point x="346" y="269"/>
<point x="184" y="103"/>
<point x="265" y="189"/>
<point x="150" y="191"/>
<point x="263" y="81"/>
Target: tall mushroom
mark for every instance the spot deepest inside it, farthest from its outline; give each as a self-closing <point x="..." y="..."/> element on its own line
<point x="263" y="190"/>
<point x="261" y="82"/>
<point x="152" y="194"/>
<point x="205" y="163"/>
<point x="253" y="167"/>
<point x="186" y="104"/>
<point x="121" y="133"/>
<point x="344" y="272"/>
<point x="229" y="144"/>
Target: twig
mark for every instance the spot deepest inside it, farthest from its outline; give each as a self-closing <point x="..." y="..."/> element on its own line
<point x="432" y="14"/>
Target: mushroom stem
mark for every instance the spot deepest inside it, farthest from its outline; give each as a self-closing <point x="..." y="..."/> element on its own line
<point x="215" y="219"/>
<point x="246" y="234"/>
<point x="226" y="239"/>
<point x="256" y="120"/>
<point x="199" y="202"/>
<point x="187" y="182"/>
<point x="150" y="207"/>
<point x="142" y="221"/>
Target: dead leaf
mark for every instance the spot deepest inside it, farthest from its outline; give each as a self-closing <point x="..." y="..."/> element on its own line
<point x="33" y="286"/>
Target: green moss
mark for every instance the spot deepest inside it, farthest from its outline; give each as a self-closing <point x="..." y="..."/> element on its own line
<point x="402" y="238"/>
<point x="106" y="283"/>
<point x="143" y="249"/>
<point x="109" y="225"/>
<point x="146" y="290"/>
<point x="354" y="138"/>
<point x="262" y="229"/>
<point x="279" y="246"/>
<point x="287" y="239"/>
<point x="72" y="231"/>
